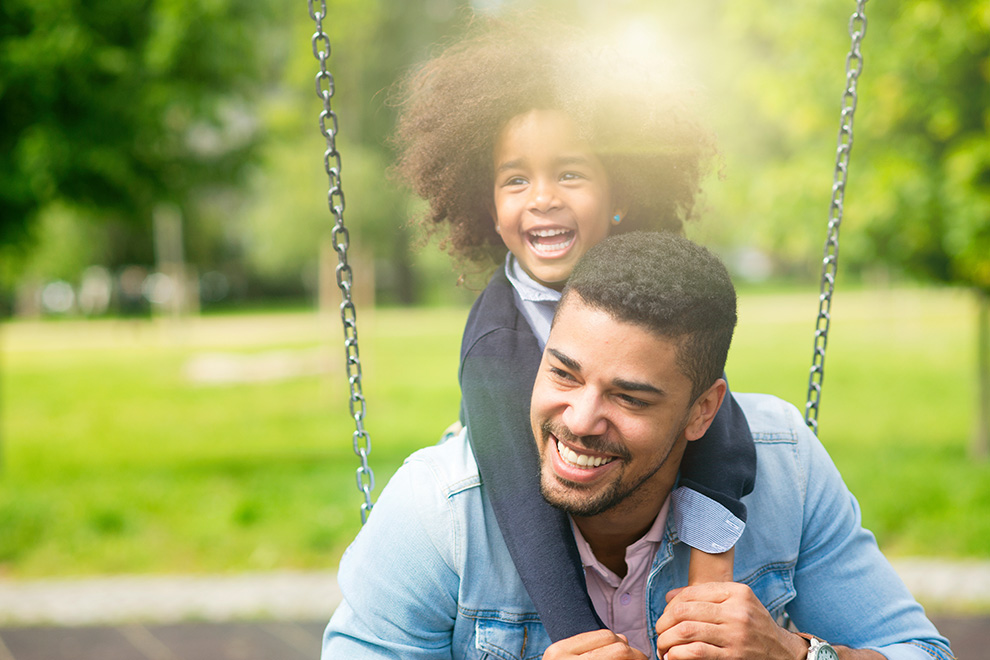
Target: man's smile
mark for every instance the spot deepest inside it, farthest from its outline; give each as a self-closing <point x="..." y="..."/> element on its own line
<point x="581" y="460"/>
<point x="578" y="466"/>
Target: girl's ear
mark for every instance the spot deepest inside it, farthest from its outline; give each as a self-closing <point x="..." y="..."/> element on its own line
<point x="619" y="215"/>
<point x="619" y="209"/>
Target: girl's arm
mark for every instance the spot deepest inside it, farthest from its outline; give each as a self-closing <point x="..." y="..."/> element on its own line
<point x="718" y="469"/>
<point x="499" y="361"/>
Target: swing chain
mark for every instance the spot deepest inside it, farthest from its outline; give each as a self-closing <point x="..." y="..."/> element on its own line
<point x="854" y="66"/>
<point x="341" y="242"/>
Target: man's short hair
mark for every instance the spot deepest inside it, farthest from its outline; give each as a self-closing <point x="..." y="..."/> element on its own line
<point x="669" y="285"/>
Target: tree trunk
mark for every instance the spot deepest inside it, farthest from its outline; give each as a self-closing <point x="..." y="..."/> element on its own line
<point x="981" y="438"/>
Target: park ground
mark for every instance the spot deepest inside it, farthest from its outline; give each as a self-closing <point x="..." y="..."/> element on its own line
<point x="281" y="616"/>
<point x="213" y="455"/>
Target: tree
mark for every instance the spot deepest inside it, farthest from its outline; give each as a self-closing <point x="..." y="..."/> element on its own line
<point x="373" y="44"/>
<point x="927" y="165"/>
<point x="119" y="107"/>
<point x="921" y="162"/>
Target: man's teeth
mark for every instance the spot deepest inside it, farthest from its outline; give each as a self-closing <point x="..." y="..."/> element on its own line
<point x="580" y="460"/>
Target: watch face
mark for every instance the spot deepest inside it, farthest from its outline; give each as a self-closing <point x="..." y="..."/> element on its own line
<point x="823" y="652"/>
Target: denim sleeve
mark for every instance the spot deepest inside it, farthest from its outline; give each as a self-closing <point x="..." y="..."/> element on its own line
<point x="847" y="591"/>
<point x="720" y="468"/>
<point x="399" y="598"/>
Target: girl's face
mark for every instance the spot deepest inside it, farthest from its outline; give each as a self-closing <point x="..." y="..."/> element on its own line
<point x="552" y="201"/>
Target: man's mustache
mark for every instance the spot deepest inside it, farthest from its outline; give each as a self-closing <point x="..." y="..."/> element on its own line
<point x="595" y="443"/>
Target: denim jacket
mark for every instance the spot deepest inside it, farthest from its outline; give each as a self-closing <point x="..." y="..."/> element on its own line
<point x="429" y="575"/>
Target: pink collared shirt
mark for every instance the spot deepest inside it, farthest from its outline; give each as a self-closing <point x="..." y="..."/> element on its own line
<point x="621" y="602"/>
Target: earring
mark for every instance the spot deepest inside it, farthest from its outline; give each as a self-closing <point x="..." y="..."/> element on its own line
<point x="498" y="230"/>
<point x="616" y="219"/>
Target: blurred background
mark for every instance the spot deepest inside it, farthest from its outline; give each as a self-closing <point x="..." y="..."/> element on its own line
<point x="173" y="398"/>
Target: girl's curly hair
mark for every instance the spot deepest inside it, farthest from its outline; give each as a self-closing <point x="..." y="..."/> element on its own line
<point x="635" y="115"/>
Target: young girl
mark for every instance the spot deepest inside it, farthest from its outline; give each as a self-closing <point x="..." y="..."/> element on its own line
<point x="530" y="146"/>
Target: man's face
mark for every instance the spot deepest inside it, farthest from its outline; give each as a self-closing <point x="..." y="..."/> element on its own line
<point x="609" y="413"/>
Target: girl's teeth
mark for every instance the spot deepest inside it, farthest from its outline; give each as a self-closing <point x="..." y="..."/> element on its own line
<point x="556" y="247"/>
<point x="580" y="460"/>
<point x="550" y="241"/>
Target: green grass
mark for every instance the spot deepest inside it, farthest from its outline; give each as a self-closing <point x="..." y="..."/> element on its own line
<point x="115" y="461"/>
<point x="898" y="406"/>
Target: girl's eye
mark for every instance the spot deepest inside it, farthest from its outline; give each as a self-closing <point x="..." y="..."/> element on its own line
<point x="571" y="176"/>
<point x="515" y="181"/>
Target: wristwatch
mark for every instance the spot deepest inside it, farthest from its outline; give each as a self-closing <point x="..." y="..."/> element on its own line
<point x="819" y="649"/>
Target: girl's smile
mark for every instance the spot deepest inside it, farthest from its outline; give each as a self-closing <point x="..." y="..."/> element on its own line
<point x="552" y="198"/>
<point x="550" y="242"/>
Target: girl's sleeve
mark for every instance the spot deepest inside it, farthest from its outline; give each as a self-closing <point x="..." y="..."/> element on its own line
<point x="499" y="364"/>
<point x="716" y="472"/>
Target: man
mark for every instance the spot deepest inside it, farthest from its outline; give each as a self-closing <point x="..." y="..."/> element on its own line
<point x="630" y="375"/>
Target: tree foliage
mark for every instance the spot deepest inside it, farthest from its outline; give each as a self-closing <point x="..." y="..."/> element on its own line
<point x="374" y="43"/>
<point x="928" y="154"/>
<point x="119" y="106"/>
<point x="919" y="189"/>
<point x="124" y="106"/>
<point x="918" y="199"/>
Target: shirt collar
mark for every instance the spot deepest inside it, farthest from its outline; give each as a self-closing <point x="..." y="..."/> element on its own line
<point x="528" y="288"/>
<point x="653" y="537"/>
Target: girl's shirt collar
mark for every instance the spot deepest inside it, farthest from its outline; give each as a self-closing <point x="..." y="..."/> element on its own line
<point x="528" y="289"/>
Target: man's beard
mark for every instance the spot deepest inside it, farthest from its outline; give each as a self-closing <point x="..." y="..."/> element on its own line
<point x="612" y="495"/>
<point x="584" y="507"/>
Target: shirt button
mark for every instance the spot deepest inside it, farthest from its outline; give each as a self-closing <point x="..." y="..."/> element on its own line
<point x="625" y="599"/>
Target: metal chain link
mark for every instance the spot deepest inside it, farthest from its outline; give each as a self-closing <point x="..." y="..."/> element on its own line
<point x="341" y="242"/>
<point x="854" y="66"/>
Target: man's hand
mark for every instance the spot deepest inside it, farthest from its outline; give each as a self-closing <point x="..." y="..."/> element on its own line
<point x="723" y="620"/>
<point x="594" y="645"/>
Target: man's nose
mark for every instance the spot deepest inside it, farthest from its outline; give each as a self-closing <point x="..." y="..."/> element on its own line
<point x="584" y="415"/>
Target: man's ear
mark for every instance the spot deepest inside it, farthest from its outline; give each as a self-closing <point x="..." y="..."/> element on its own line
<point x="703" y="411"/>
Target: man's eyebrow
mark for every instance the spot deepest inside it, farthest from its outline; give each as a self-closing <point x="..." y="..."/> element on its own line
<point x="634" y="386"/>
<point x="621" y="383"/>
<point x="570" y="363"/>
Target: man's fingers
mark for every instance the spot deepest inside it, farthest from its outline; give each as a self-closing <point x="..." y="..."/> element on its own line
<point x="688" y="637"/>
<point x="617" y="651"/>
<point x="594" y="645"/>
<point x="702" y="602"/>
<point x="679" y="611"/>
<point x="687" y="632"/>
<point x="691" y="651"/>
<point x="712" y="592"/>
<point x="588" y="641"/>
<point x="712" y="620"/>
